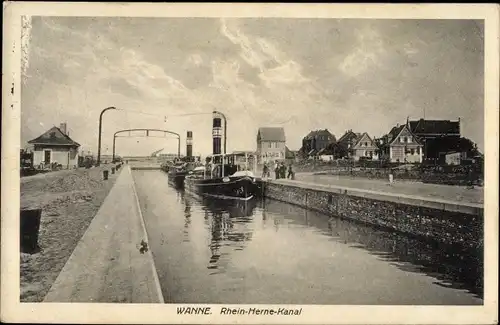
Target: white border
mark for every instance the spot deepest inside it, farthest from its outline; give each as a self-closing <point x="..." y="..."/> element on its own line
<point x="12" y="311"/>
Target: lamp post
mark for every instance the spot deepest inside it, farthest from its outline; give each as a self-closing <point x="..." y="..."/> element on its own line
<point x="100" y="131"/>
<point x="225" y="128"/>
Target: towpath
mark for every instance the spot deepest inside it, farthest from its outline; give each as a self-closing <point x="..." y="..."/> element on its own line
<point x="107" y="265"/>
<point x="430" y="191"/>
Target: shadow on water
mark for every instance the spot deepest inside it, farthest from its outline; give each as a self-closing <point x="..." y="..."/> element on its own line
<point x="452" y="266"/>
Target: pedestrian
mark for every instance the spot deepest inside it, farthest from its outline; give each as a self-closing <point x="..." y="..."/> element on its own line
<point x="276" y="170"/>
<point x="282" y="170"/>
<point x="291" y="174"/>
<point x="265" y="170"/>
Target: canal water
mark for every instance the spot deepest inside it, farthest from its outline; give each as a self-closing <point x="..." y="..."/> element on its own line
<point x="270" y="252"/>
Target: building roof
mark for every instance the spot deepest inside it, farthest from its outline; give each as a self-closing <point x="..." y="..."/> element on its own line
<point x="272" y="134"/>
<point x="54" y="136"/>
<point x="358" y="139"/>
<point x="435" y="127"/>
<point x="349" y="135"/>
<point x="289" y="153"/>
<point x="394" y="133"/>
<point x="317" y="133"/>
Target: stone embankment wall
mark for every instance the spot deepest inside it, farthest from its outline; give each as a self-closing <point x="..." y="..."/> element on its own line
<point x="442" y="221"/>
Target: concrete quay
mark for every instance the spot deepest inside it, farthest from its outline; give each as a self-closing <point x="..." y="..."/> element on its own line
<point x="108" y="264"/>
<point x="447" y="221"/>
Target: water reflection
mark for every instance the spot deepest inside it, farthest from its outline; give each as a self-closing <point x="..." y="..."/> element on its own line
<point x="269" y="252"/>
<point x="452" y="266"/>
<point x="226" y="221"/>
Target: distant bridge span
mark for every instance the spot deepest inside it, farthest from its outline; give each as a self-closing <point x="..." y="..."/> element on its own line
<point x="165" y="132"/>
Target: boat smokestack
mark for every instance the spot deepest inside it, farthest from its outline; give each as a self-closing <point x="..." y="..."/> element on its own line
<point x="189" y="144"/>
<point x="217" y="134"/>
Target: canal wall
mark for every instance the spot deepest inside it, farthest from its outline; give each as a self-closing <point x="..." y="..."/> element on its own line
<point x="442" y="221"/>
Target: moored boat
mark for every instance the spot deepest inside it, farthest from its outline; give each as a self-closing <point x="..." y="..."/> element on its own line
<point x="176" y="174"/>
<point x="224" y="178"/>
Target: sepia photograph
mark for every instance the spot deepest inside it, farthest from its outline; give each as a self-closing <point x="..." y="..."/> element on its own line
<point x="238" y="168"/>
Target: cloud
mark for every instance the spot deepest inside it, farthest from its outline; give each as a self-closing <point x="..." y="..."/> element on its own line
<point x="365" y="55"/>
<point x="299" y="74"/>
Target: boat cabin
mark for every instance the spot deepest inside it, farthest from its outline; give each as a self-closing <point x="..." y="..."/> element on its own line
<point x="219" y="166"/>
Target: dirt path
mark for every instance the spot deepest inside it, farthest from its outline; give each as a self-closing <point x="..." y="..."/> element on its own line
<point x="70" y="200"/>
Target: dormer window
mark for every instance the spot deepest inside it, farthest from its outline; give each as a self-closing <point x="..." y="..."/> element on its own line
<point x="52" y="135"/>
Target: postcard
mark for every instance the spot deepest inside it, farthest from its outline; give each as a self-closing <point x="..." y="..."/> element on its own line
<point x="183" y="163"/>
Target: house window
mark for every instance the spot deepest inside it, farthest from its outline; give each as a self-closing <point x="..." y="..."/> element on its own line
<point x="412" y="151"/>
<point x="366" y="144"/>
<point x="270" y="145"/>
<point x="409" y="139"/>
<point x="402" y="139"/>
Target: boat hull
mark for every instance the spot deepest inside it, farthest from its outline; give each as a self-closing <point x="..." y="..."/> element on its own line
<point x="236" y="188"/>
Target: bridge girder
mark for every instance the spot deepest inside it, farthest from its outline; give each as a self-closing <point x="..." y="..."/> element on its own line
<point x="116" y="135"/>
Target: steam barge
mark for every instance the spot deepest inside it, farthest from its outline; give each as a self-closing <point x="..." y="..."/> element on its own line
<point x="224" y="178"/>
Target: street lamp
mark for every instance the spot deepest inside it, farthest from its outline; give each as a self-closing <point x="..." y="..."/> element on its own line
<point x="100" y="131"/>
<point x="225" y="128"/>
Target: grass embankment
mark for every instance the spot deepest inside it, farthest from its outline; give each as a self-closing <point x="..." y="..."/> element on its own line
<point x="70" y="199"/>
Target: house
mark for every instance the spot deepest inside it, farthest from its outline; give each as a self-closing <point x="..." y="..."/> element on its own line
<point x="365" y="147"/>
<point x="271" y="144"/>
<point x="437" y="136"/>
<point x="401" y="145"/>
<point x="346" y="144"/>
<point x="316" y="140"/>
<point x="55" y="146"/>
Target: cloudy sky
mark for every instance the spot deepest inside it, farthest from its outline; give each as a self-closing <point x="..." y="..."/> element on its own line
<point x="302" y="74"/>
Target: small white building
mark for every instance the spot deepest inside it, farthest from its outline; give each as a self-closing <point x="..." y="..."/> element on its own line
<point x="55" y="146"/>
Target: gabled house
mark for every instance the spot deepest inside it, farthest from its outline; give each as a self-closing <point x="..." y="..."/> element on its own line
<point x="315" y="141"/>
<point x="55" y="146"/>
<point x="365" y="147"/>
<point x="401" y="145"/>
<point x="347" y="142"/>
<point x="271" y="144"/>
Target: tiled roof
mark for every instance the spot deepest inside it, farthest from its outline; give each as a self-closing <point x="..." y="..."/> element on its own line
<point x="435" y="127"/>
<point x="272" y="134"/>
<point x="54" y="136"/>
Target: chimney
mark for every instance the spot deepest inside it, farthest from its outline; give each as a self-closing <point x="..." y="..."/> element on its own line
<point x="189" y="144"/>
<point x="217" y="135"/>
<point x="63" y="128"/>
